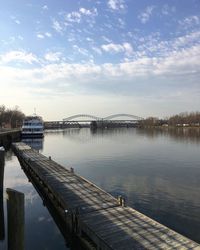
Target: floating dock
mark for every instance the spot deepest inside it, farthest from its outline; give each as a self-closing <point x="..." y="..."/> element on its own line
<point x="97" y="218"/>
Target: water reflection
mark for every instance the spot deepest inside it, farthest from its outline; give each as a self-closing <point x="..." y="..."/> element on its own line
<point x="2" y="228"/>
<point x="15" y="219"/>
<point x="191" y="135"/>
<point x="35" y="143"/>
<point x="40" y="233"/>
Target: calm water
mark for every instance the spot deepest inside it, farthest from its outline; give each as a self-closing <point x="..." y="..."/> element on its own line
<point x="158" y="172"/>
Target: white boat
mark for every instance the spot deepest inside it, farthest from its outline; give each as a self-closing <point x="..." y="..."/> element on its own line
<point x="34" y="142"/>
<point x="33" y="126"/>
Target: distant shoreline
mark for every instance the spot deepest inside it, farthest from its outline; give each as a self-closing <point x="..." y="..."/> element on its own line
<point x="170" y="127"/>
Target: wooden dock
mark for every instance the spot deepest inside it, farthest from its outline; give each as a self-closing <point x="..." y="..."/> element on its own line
<point x="96" y="217"/>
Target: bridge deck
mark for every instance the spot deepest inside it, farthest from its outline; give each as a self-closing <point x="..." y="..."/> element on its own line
<point x="92" y="212"/>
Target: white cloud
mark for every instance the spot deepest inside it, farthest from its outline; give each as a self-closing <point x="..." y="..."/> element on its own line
<point x="43" y="35"/>
<point x="128" y="49"/>
<point x="116" y="4"/>
<point x="106" y="39"/>
<point x="143" y="57"/>
<point x="20" y="37"/>
<point x="15" y="19"/>
<point x="88" y="12"/>
<point x="108" y="25"/>
<point x="81" y="51"/>
<point x="76" y="16"/>
<point x="187" y="40"/>
<point x="89" y="39"/>
<point x="112" y="47"/>
<point x="18" y="56"/>
<point x="175" y="62"/>
<point x="153" y="46"/>
<point x="171" y="79"/>
<point x="145" y="16"/>
<point x="121" y="23"/>
<point x="97" y="50"/>
<point x="48" y="34"/>
<point x="117" y="48"/>
<point x="189" y="22"/>
<point x="45" y="7"/>
<point x="40" y="36"/>
<point x="53" y="56"/>
<point x="183" y="62"/>
<point x="167" y="10"/>
<point x="57" y="27"/>
<point x="178" y="63"/>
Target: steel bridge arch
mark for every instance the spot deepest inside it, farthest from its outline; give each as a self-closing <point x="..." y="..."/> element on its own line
<point x="81" y="116"/>
<point x="110" y="117"/>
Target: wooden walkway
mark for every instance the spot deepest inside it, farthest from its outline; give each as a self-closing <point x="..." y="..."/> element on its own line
<point x="93" y="214"/>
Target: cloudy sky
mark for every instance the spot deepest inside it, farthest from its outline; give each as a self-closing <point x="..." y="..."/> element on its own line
<point x="100" y="57"/>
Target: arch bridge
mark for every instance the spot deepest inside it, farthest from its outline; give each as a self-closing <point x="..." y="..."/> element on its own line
<point x="90" y="117"/>
<point x="96" y="118"/>
<point x="86" y="120"/>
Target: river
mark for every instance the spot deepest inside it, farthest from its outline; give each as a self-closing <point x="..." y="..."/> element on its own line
<point x="156" y="170"/>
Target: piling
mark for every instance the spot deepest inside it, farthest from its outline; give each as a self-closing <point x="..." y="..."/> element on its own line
<point x="15" y="218"/>
<point x="2" y="227"/>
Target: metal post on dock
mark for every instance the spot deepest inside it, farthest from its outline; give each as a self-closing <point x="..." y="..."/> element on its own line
<point x="121" y="201"/>
<point x="2" y="226"/>
<point x="15" y="218"/>
<point x="71" y="170"/>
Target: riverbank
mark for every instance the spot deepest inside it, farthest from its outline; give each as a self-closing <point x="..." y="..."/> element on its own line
<point x="169" y="127"/>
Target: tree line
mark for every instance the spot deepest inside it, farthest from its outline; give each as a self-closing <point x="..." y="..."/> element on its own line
<point x="182" y="119"/>
<point x="186" y="118"/>
<point x="10" y="117"/>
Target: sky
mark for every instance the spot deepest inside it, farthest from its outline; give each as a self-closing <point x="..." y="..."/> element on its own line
<point x="102" y="57"/>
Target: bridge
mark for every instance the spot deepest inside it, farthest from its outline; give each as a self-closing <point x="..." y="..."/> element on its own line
<point x="87" y="120"/>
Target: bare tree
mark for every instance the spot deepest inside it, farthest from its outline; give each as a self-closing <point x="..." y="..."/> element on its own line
<point x="14" y="116"/>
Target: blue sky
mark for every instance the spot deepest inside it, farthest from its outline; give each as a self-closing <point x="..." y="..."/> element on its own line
<point x="100" y="57"/>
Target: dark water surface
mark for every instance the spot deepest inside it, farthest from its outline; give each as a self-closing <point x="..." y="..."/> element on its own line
<point x="157" y="171"/>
